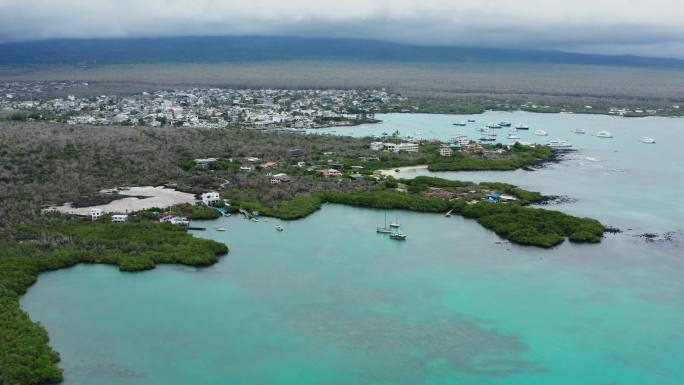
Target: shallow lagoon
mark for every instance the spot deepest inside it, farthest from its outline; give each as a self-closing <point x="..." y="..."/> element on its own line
<point x="329" y="301"/>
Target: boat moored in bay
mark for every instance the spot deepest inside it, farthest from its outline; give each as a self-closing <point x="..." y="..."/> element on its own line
<point x="559" y="143"/>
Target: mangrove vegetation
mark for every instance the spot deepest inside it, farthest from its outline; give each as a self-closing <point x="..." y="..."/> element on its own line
<point x="25" y="355"/>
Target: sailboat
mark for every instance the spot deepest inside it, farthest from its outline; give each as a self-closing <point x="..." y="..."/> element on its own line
<point x="384" y="229"/>
<point x="395" y="224"/>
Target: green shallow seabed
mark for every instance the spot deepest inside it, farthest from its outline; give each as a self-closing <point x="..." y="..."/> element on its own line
<point x="329" y="301"/>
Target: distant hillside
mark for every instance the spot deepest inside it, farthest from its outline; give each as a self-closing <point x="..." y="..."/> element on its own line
<point x="226" y="49"/>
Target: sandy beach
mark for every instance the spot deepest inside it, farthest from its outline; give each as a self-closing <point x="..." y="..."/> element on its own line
<point x="155" y="197"/>
<point x="402" y="171"/>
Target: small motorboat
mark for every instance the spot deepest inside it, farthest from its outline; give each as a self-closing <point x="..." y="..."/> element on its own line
<point x="220" y="229"/>
<point x="505" y="124"/>
<point x="647" y="140"/>
<point x="494" y="126"/>
<point x="541" y="133"/>
<point x="604" y="134"/>
<point x="471" y="120"/>
<point x="399" y="236"/>
<point x="513" y="136"/>
<point x="579" y="131"/>
<point x="460" y="124"/>
<point x="279" y="227"/>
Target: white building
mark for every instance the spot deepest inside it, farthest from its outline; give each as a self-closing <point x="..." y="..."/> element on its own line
<point x="204" y="163"/>
<point x="95" y="213"/>
<point x="445" y="151"/>
<point x="179" y="221"/>
<point x="377" y="146"/>
<point x="462" y="141"/>
<point x="407" y="146"/>
<point x="120" y="218"/>
<point x="279" y="178"/>
<point x="210" y="198"/>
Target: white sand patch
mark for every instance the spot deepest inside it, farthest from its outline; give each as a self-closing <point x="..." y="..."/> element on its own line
<point x="402" y="171"/>
<point x="154" y="197"/>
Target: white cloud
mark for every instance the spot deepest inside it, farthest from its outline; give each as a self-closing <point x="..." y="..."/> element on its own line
<point x="620" y="26"/>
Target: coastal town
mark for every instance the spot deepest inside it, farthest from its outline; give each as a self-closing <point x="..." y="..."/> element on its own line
<point x="228" y="107"/>
<point x="197" y="107"/>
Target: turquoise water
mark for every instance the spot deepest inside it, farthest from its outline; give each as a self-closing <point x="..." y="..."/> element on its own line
<point x="329" y="301"/>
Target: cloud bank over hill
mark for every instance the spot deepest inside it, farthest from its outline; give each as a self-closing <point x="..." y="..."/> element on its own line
<point x="637" y="27"/>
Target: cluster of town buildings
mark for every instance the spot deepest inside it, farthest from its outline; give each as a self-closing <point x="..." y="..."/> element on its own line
<point x="208" y="107"/>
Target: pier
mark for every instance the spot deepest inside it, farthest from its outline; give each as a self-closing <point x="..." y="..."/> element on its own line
<point x="246" y="213"/>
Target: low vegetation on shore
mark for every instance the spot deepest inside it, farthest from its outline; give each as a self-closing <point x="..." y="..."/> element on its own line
<point x="511" y="220"/>
<point x="25" y="356"/>
<point x="51" y="164"/>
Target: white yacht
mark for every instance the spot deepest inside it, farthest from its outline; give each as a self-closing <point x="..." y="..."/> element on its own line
<point x="579" y="131"/>
<point x="399" y="236"/>
<point x="648" y="140"/>
<point x="604" y="134"/>
<point x="560" y="143"/>
<point x="541" y="133"/>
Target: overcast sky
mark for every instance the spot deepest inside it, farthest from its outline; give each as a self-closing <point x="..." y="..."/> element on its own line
<point x="643" y="27"/>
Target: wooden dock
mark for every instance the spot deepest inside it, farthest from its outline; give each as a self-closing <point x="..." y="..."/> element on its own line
<point x="246" y="213"/>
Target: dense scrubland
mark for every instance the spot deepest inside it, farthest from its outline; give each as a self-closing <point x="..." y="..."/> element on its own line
<point x="456" y="86"/>
<point x="44" y="164"/>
